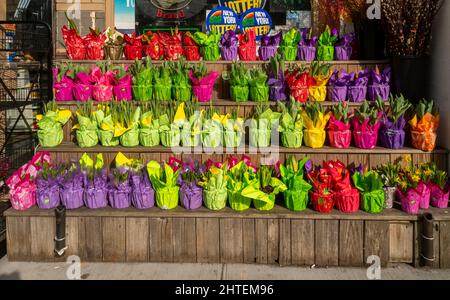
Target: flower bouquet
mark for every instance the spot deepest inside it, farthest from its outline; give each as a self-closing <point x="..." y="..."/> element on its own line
<point x="239" y="176"/>
<point x="307" y="45"/>
<point x="296" y="196"/>
<point x="209" y="45"/>
<point x="357" y="86"/>
<point x="315" y="121"/>
<point x="289" y="44"/>
<point x="277" y="83"/>
<point x="122" y="83"/>
<point x="181" y="86"/>
<point x="265" y="189"/>
<point x="379" y="84"/>
<point x="261" y="125"/>
<point x="247" y="46"/>
<point x="149" y="124"/>
<point x="299" y="81"/>
<point x="233" y="130"/>
<point x="114" y="44"/>
<point x="152" y="46"/>
<point x="214" y="186"/>
<point x="239" y="77"/>
<point x="343" y="47"/>
<point x="322" y="197"/>
<point x="162" y="83"/>
<point x="202" y="82"/>
<point x="169" y="125"/>
<point x="48" y="195"/>
<point x="440" y="190"/>
<point x="321" y="74"/>
<point x="133" y="48"/>
<point x="291" y="124"/>
<point x="192" y="122"/>
<point x="229" y="46"/>
<point x="119" y="193"/>
<point x="338" y="86"/>
<point x="173" y="50"/>
<point x="424" y="126"/>
<point x="339" y="133"/>
<point x="191" y="194"/>
<point x="103" y="79"/>
<point x="94" y="42"/>
<point x="63" y="85"/>
<point x="366" y="124"/>
<point x="259" y="89"/>
<point x="50" y="125"/>
<point x="269" y="46"/>
<point x="191" y="49"/>
<point x="143" y="76"/>
<point x="129" y="119"/>
<point x="96" y="182"/>
<point x="83" y="83"/>
<point x="212" y="128"/>
<point x="326" y="43"/>
<point x="392" y="129"/>
<point x="371" y="187"/>
<point x="389" y="175"/>
<point x="75" y="45"/>
<point x="86" y="129"/>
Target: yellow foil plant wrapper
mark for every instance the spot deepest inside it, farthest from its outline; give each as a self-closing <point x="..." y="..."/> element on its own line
<point x="321" y="74"/>
<point x="424" y="126"/>
<point x="315" y="121"/>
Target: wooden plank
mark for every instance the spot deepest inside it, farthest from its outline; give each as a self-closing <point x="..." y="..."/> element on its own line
<point x="249" y="240"/>
<point x="208" y="239"/>
<point x="401" y="245"/>
<point x="184" y="240"/>
<point x="326" y="243"/>
<point x="167" y="240"/>
<point x="90" y="239"/>
<point x="444" y="245"/>
<point x="302" y="242"/>
<point x="351" y="243"/>
<point x="285" y="242"/>
<point x="376" y="240"/>
<point x="155" y="240"/>
<point x="114" y="239"/>
<point x="273" y="240"/>
<point x="261" y="240"/>
<point x="377" y="160"/>
<point x="72" y="236"/>
<point x="137" y="240"/>
<point x="42" y="232"/>
<point x="18" y="238"/>
<point x="231" y="248"/>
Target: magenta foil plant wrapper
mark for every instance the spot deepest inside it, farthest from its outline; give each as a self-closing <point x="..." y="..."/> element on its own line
<point x="338" y="86"/>
<point x="102" y="89"/>
<point x="269" y="46"/>
<point x="307" y="45"/>
<point x="357" y="86"/>
<point x="82" y="90"/>
<point x="62" y="85"/>
<point x="379" y="85"/>
<point x="343" y="47"/>
<point x="229" y="45"/>
<point x="203" y="88"/>
<point x="123" y="88"/>
<point x="365" y="135"/>
<point x="72" y="189"/>
<point x="143" y="194"/>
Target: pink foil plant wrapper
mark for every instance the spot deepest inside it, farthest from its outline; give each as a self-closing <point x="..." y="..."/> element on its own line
<point x="425" y="195"/>
<point x="307" y="47"/>
<point x="82" y="90"/>
<point x="343" y="47"/>
<point x="123" y="88"/>
<point x="63" y="89"/>
<point x="379" y="85"/>
<point x="339" y="134"/>
<point x="338" y="86"/>
<point x="365" y="135"/>
<point x="102" y="89"/>
<point x="203" y="88"/>
<point x="269" y="46"/>
<point x="410" y="201"/>
<point x="357" y="86"/>
<point x="229" y="46"/>
<point x="439" y="197"/>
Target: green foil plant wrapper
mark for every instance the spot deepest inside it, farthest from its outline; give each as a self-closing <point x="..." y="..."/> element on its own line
<point x="129" y="118"/>
<point x="238" y="77"/>
<point x="212" y="129"/>
<point x="238" y="178"/>
<point x="370" y="184"/>
<point x="143" y="76"/>
<point x="209" y="45"/>
<point x="86" y="129"/>
<point x="261" y="126"/>
<point x="162" y="83"/>
<point x="192" y="123"/>
<point x="164" y="181"/>
<point x="149" y="124"/>
<point x="265" y="189"/>
<point x="214" y="188"/>
<point x="233" y="130"/>
<point x="181" y="86"/>
<point x="291" y="124"/>
<point x="325" y="46"/>
<point x="105" y="122"/>
<point x="296" y="197"/>
<point x="169" y="130"/>
<point x="259" y="89"/>
<point x="50" y="125"/>
<point x="289" y="44"/>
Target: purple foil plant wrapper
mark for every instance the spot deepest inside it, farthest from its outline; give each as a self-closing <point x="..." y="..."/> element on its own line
<point x="62" y="89"/>
<point x="123" y="88"/>
<point x="392" y="135"/>
<point x="96" y="191"/>
<point x="142" y="193"/>
<point x="379" y="85"/>
<point x="119" y="194"/>
<point x="191" y="195"/>
<point x="343" y="47"/>
<point x="338" y="86"/>
<point x="47" y="193"/>
<point x="307" y="46"/>
<point x="82" y="90"/>
<point x="357" y="87"/>
<point x="72" y="191"/>
<point x="269" y="46"/>
<point x="229" y="45"/>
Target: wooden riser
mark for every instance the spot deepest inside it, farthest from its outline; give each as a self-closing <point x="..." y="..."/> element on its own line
<point x="278" y="237"/>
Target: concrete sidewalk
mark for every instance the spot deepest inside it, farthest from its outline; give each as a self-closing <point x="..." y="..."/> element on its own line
<point x="130" y="271"/>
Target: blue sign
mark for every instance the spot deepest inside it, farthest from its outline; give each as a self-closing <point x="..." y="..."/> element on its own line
<point x="221" y="20"/>
<point x="241" y="6"/>
<point x="124" y="15"/>
<point x="257" y="19"/>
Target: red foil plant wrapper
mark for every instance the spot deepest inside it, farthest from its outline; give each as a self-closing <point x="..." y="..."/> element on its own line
<point x="133" y="47"/>
<point x="152" y="46"/>
<point x="299" y="81"/>
<point x="191" y="48"/>
<point x="322" y="197"/>
<point x="94" y="42"/>
<point x="247" y="46"/>
<point x="173" y="49"/>
<point x="75" y="45"/>
<point x="345" y="195"/>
